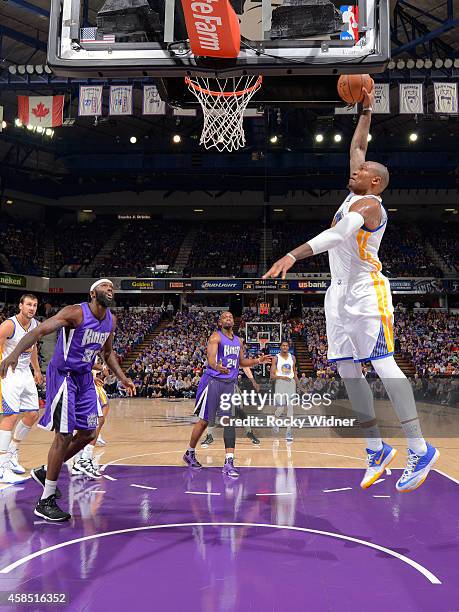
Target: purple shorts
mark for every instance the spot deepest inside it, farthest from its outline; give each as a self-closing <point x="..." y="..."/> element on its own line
<point x="213" y="398"/>
<point x="71" y="401"/>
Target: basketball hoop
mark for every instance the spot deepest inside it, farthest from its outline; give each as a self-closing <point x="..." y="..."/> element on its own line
<point x="263" y="342"/>
<point x="223" y="102"/>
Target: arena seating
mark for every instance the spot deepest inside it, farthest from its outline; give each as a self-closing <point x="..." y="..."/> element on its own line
<point x="23" y="243"/>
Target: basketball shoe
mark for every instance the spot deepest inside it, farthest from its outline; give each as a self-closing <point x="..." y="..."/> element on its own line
<point x="377" y="463"/>
<point x="39" y="475"/>
<point x="253" y="437"/>
<point x="229" y="470"/>
<point x="209" y="439"/>
<point x="190" y="459"/>
<point x="16" y="467"/>
<point x="7" y="475"/>
<point x="50" y="511"/>
<point x="417" y="469"/>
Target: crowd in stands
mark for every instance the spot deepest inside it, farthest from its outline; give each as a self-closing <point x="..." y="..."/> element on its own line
<point x="443" y="237"/>
<point x="77" y="244"/>
<point x="23" y="245"/>
<point x="142" y="246"/>
<point x="287" y="236"/>
<point x="132" y="326"/>
<point x="403" y="253"/>
<point x="225" y="249"/>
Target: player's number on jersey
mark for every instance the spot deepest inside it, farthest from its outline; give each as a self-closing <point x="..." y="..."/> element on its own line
<point x="231" y="363"/>
<point x="89" y="355"/>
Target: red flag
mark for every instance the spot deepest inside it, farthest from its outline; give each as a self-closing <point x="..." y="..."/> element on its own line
<point x="44" y="111"/>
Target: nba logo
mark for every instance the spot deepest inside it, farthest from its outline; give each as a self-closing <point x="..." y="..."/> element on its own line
<point x="350" y="15"/>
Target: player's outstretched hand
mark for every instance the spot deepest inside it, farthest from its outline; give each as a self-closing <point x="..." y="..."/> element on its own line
<point x="266" y="359"/>
<point x="8" y="362"/>
<point x="129" y="386"/>
<point x="38" y="377"/>
<point x="368" y="98"/>
<point x="282" y="266"/>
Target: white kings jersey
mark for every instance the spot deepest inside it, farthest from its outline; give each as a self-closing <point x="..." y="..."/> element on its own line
<point x="11" y="343"/>
<point x="357" y="256"/>
<point x="284" y="366"/>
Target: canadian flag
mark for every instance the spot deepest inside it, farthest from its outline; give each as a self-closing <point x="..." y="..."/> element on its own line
<point x="44" y="111"/>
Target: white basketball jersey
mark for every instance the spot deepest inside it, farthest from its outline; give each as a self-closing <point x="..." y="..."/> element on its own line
<point x="11" y="343"/>
<point x="284" y="366"/>
<point x="357" y="256"/>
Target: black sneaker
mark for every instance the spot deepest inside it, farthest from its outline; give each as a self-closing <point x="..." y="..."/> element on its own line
<point x="190" y="459"/>
<point x="209" y="439"/>
<point x="253" y="437"/>
<point x="39" y="475"/>
<point x="50" y="511"/>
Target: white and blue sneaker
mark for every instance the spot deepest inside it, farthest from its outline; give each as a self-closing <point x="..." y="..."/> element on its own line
<point x="15" y="466"/>
<point x="417" y="469"/>
<point x="377" y="463"/>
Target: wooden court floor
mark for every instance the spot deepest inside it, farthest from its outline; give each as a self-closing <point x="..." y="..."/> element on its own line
<point x="156" y="432"/>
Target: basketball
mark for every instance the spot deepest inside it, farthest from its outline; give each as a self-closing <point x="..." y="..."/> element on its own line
<point x="350" y="87"/>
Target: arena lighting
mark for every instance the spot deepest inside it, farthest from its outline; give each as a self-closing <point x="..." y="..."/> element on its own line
<point x="176" y="138"/>
<point x="21" y="69"/>
<point x="419" y="63"/>
<point x="438" y="63"/>
<point x="12" y="69"/>
<point x="132" y="139"/>
<point x="48" y="70"/>
<point x="18" y="123"/>
<point x="9" y="201"/>
<point x="337" y="138"/>
<point x="450" y="209"/>
<point x="369" y="138"/>
<point x="49" y="132"/>
<point x="428" y="64"/>
<point x="87" y="210"/>
<point x="413" y="137"/>
<point x="319" y="138"/>
<point x="4" y="124"/>
<point x="198" y="210"/>
<point x="39" y="69"/>
<point x="448" y="63"/>
<point x="40" y="129"/>
<point x="410" y="64"/>
<point x="278" y="209"/>
<point x="392" y="209"/>
<point x="30" y="127"/>
<point x="30" y="69"/>
<point x="273" y="139"/>
<point x="456" y="63"/>
<point x="391" y="65"/>
<point x="401" y="64"/>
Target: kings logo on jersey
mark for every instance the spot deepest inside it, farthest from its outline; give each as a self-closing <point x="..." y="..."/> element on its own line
<point x="350" y="15"/>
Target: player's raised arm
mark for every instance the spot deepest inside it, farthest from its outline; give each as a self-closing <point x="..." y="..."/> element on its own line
<point x="112" y="362"/>
<point x="69" y="316"/>
<point x="248" y="363"/>
<point x="359" y="143"/>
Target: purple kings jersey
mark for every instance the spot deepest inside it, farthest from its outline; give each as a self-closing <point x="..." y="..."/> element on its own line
<point x="76" y="349"/>
<point x="228" y="355"/>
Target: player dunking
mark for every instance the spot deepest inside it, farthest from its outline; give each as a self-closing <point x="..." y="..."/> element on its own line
<point x="359" y="312"/>
<point x="223" y="361"/>
<point x="18" y="390"/>
<point x="71" y="398"/>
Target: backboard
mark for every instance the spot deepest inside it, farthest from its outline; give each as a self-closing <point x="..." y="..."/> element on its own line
<point x="280" y="39"/>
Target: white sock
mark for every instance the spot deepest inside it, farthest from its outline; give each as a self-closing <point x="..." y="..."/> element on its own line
<point x="413" y="433"/>
<point x="88" y="452"/>
<point x="50" y="488"/>
<point x="190" y="450"/>
<point x="229" y="456"/>
<point x="21" y="432"/>
<point x="13" y="447"/>
<point x="5" y="439"/>
<point x="373" y="438"/>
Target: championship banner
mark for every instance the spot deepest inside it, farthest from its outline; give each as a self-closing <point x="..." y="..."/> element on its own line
<point x="445" y="98"/>
<point x="120" y="100"/>
<point x="41" y="111"/>
<point x="411" y="98"/>
<point x="213" y="28"/>
<point x="90" y="102"/>
<point x="382" y="100"/>
<point x="152" y="103"/>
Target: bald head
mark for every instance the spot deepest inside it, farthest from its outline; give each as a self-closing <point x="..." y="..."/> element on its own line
<point x="379" y="170"/>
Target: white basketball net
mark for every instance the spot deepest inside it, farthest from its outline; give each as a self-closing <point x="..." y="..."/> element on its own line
<point x="223" y="102"/>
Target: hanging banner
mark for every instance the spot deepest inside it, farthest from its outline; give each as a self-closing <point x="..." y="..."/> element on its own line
<point x="346" y="110"/>
<point x="152" y="103"/>
<point x="90" y="102"/>
<point x="382" y="101"/>
<point x="350" y="16"/>
<point x="445" y="98"/>
<point x="411" y="98"/>
<point x="120" y="100"/>
<point x="41" y="111"/>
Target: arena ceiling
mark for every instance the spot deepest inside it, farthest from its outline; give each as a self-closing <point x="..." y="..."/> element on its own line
<point x="88" y="158"/>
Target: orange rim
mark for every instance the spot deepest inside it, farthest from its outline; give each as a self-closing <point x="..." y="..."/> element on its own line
<point x="224" y="94"/>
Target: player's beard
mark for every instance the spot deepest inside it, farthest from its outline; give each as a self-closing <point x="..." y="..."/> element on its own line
<point x="104" y="300"/>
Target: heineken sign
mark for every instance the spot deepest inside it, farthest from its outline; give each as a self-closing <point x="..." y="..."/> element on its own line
<point x="12" y="280"/>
